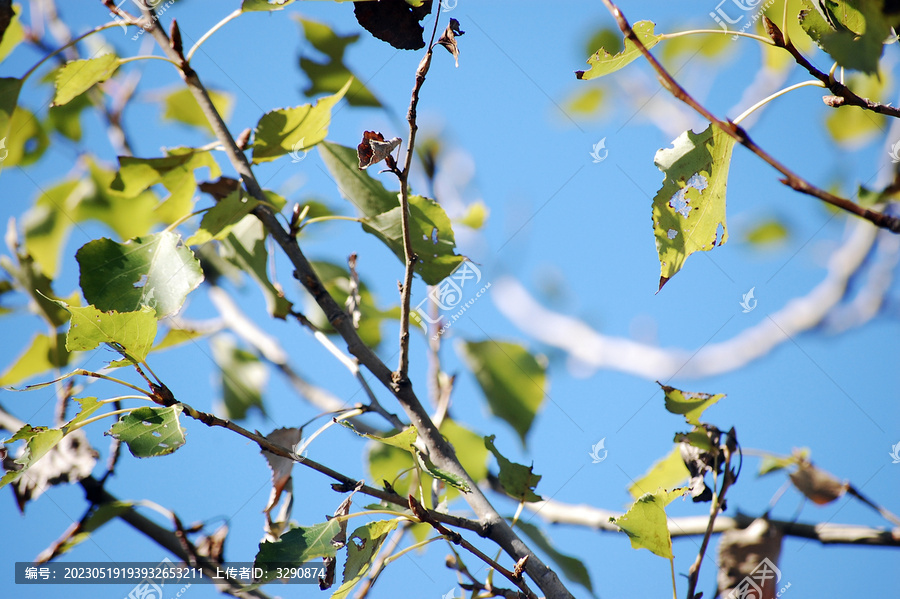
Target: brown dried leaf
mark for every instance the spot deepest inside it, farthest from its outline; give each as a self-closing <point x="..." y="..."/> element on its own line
<point x="818" y="486"/>
<point x="281" y="467"/>
<point x="373" y="148"/>
<point x="213" y="545"/>
<point x="448" y="39"/>
<point x="340" y="539"/>
<point x="747" y="561"/>
<point x="326" y="581"/>
<point x="220" y="188"/>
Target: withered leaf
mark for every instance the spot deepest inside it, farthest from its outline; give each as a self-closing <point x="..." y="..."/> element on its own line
<point x="448" y="39"/>
<point x="394" y="21"/>
<point x="373" y="148"/>
<point x="221" y="188"/>
<point x="819" y="486"/>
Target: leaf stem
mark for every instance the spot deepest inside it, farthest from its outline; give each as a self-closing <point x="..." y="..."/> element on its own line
<point x="147" y="57"/>
<point x="764" y="101"/>
<point x="83" y="423"/>
<point x="759" y="38"/>
<point x="320" y="219"/>
<point x="211" y="31"/>
<point x="68" y="45"/>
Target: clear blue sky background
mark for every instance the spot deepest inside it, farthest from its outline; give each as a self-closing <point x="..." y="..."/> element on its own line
<point x="576" y="233"/>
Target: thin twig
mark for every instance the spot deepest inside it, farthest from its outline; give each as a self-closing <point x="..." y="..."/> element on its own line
<point x="457" y="539"/>
<point x="843" y="95"/>
<point x="409" y="255"/>
<point x="740" y="135"/>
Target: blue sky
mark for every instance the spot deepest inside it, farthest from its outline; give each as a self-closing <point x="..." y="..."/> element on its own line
<point x="577" y="234"/>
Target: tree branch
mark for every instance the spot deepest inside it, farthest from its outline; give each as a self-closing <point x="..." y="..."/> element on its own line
<point x="737" y="133"/>
<point x="439" y="450"/>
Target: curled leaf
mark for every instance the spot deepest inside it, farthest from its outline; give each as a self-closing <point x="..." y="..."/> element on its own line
<point x="373" y="148"/>
<point x="448" y="39"/>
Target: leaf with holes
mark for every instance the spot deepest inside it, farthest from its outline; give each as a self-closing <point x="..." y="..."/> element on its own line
<point x="78" y="76"/>
<point x="38" y="441"/>
<point x="150" y="432"/>
<point x="155" y="270"/>
<point x="517" y="480"/>
<point x="364" y="544"/>
<point x="689" y="208"/>
<point x="298" y="546"/>
<point x="604" y="63"/>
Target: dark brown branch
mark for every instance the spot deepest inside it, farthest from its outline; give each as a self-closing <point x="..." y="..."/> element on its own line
<point x="457" y="539"/>
<point x="843" y="95"/>
<point x="439" y="450"/>
<point x="740" y="135"/>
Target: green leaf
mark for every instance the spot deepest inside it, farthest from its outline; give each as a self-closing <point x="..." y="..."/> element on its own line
<point x="773" y="463"/>
<point x="66" y="119"/>
<point x="245" y="247"/>
<point x="156" y="270"/>
<point x="517" y="480"/>
<point x="476" y="215"/>
<point x="645" y="522"/>
<point x="128" y="217"/>
<point x="38" y="441"/>
<point x="129" y="333"/>
<point x="512" y="380"/>
<point x="150" y="432"/>
<point x="405" y="439"/>
<point x="602" y="63"/>
<point x="358" y="187"/>
<point x="571" y="567"/>
<point x="179" y="336"/>
<point x="386" y="463"/>
<point x="768" y="232"/>
<point x="859" y="29"/>
<point x="457" y="482"/>
<point x="182" y="107"/>
<point x="242" y="375"/>
<point x="40" y="356"/>
<point x="431" y="234"/>
<point x="666" y="473"/>
<point x="263" y="5"/>
<point x="688" y="404"/>
<point x="39" y="288"/>
<point x="689" y="208"/>
<point x="469" y="447"/>
<point x="813" y="23"/>
<point x="299" y="545"/>
<point x="330" y="76"/>
<point x="27" y="141"/>
<point x="218" y="220"/>
<point x="138" y="174"/>
<point x="288" y="130"/>
<point x="360" y="555"/>
<point x="86" y="408"/>
<point x="78" y="76"/>
<point x="48" y="222"/>
<point x="9" y="96"/>
<point x="12" y="36"/>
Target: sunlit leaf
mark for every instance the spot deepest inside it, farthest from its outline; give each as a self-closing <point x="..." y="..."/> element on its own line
<point x="667" y="473"/>
<point x="78" y="76"/>
<point x="768" y="232"/>
<point x="102" y="514"/>
<point x="40" y="356"/>
<point x="27" y="141"/>
<point x="150" y="432"/>
<point x="9" y="96"/>
<point x="156" y="270"/>
<point x="38" y="441"/>
<point x="218" y="220"/>
<point x="645" y="522"/>
<point x="298" y="546"/>
<point x="513" y="381"/>
<point x="66" y="119"/>
<point x="288" y="130"/>
<point x="517" y="480"/>
<point x="129" y="333"/>
<point x="182" y="107"/>
<point x="689" y="404"/>
<point x="263" y="5"/>
<point x="689" y="208"/>
<point x="13" y="33"/>
<point x="362" y="548"/>
<point x="603" y="63"/>
<point x="476" y="215"/>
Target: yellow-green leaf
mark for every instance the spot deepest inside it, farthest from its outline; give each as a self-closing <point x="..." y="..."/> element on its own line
<point x="645" y="522"/>
<point x="603" y="63"/>
<point x="78" y="76"/>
